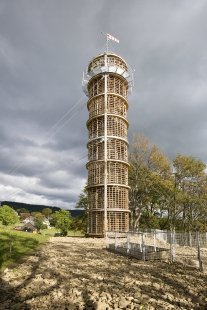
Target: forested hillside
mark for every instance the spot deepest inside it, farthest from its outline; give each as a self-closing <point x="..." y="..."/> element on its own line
<point x="37" y="208"/>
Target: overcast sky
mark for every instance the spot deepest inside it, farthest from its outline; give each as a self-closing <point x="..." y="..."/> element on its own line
<point x="45" y="46"/>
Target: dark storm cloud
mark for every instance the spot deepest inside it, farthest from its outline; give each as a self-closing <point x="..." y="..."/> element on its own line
<point x="44" y="48"/>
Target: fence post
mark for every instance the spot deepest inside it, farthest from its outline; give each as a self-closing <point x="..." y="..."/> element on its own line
<point x="199" y="253"/>
<point x="143" y="247"/>
<point x="128" y="243"/>
<point x="174" y="242"/>
<point x="172" y="252"/>
<point x="107" y="240"/>
<point x="171" y="248"/>
<point x="155" y="249"/>
<point x="140" y="243"/>
<point x="115" y="241"/>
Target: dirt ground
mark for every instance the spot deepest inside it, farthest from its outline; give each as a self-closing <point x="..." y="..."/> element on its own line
<point x="79" y="273"/>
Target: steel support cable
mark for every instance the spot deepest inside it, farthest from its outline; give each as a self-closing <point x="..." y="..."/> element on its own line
<point x="33" y="182"/>
<point x="113" y="50"/>
<point x="43" y="178"/>
<point x="17" y="166"/>
<point x="65" y="123"/>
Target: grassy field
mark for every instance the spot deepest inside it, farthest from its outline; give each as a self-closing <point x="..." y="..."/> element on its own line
<point x="10" y="226"/>
<point x="50" y="232"/>
<point x="14" y="244"/>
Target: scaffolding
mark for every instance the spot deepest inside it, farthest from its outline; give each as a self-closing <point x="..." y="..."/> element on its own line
<point x="107" y="81"/>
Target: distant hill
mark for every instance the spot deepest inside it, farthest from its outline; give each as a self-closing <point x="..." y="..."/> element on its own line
<point x="37" y="208"/>
<point x="76" y="212"/>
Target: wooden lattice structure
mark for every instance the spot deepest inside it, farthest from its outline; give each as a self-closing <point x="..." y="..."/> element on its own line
<point x="107" y="82"/>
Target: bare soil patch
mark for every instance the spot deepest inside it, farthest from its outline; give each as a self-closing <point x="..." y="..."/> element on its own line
<point x="78" y="273"/>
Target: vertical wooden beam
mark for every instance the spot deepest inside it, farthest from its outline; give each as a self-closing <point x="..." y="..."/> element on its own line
<point x="105" y="147"/>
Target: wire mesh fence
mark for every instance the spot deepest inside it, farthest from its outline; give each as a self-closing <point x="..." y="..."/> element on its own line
<point x="187" y="248"/>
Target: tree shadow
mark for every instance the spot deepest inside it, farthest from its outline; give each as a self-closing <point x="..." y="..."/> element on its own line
<point x="78" y="276"/>
<point x="13" y="246"/>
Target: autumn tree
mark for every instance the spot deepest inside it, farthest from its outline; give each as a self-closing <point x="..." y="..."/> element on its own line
<point x="149" y="175"/>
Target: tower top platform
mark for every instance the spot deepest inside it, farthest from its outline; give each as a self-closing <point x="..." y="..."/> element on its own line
<point x="107" y="63"/>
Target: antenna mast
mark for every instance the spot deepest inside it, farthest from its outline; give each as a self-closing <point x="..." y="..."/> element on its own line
<point x="107" y="42"/>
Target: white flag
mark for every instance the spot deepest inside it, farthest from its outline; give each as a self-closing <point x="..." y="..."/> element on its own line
<point x="112" y="38"/>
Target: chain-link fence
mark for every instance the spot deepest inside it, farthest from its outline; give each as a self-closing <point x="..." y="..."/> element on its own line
<point x="188" y="248"/>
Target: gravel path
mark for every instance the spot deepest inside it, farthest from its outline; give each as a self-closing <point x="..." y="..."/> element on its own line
<point x="78" y="273"/>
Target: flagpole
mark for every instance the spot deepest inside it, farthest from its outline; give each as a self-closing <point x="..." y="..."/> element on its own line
<point x="107" y="44"/>
<point x="109" y="37"/>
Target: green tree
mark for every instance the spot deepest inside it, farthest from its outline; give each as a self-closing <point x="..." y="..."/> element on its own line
<point x="35" y="213"/>
<point x="63" y="221"/>
<point x="23" y="217"/>
<point x="22" y="210"/>
<point x="8" y="216"/>
<point x="38" y="223"/>
<point x="52" y="220"/>
<point x="46" y="212"/>
<point x="148" y="220"/>
<point x="190" y="194"/>
<point x="80" y="222"/>
<point x="82" y="200"/>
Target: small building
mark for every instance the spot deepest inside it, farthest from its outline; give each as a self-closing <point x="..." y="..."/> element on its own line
<point x="28" y="219"/>
<point x="29" y="227"/>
